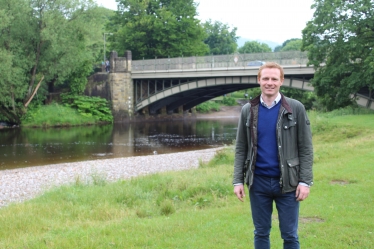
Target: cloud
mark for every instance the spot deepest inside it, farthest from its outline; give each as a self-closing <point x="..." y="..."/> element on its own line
<point x="272" y="20"/>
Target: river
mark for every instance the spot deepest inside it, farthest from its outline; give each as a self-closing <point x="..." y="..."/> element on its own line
<point x="26" y="147"/>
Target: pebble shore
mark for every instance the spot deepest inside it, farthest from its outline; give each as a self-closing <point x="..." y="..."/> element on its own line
<point x="18" y="185"/>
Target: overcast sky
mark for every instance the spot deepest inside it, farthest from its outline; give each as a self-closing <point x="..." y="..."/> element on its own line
<point x="270" y="20"/>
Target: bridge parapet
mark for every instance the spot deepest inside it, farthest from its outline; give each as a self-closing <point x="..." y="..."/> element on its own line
<point x="220" y="61"/>
<point x="120" y="64"/>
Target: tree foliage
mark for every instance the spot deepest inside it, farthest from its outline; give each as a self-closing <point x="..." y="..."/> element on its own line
<point x="254" y="47"/>
<point x="306" y="97"/>
<point x="42" y="43"/>
<point x="157" y="28"/>
<point x="286" y="42"/>
<point x="339" y="41"/>
<point x="221" y="40"/>
<point x="278" y="48"/>
<point x="293" y="44"/>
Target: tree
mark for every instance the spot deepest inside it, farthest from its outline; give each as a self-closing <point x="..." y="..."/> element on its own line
<point x="285" y="43"/>
<point x="220" y="39"/>
<point x="278" y="48"/>
<point x="294" y="45"/>
<point x="44" y="42"/>
<point x="157" y="28"/>
<point x="306" y="97"/>
<point x="13" y="60"/>
<point x="339" y="41"/>
<point x="254" y="47"/>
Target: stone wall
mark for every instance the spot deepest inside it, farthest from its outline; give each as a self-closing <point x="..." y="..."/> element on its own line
<point x="98" y="86"/>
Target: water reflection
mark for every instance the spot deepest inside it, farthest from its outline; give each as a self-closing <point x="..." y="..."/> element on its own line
<point x="30" y="147"/>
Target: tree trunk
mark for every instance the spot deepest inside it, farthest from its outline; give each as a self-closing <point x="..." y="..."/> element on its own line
<point x="33" y="94"/>
<point x="33" y="73"/>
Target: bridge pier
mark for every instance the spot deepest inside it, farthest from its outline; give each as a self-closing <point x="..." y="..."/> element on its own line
<point x="121" y="86"/>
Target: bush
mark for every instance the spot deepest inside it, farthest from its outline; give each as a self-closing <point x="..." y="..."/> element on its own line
<point x="208" y="106"/>
<point x="89" y="106"/>
<point x="54" y="115"/>
<point x="229" y="101"/>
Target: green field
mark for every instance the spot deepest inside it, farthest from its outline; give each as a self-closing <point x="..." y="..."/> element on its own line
<point x="197" y="208"/>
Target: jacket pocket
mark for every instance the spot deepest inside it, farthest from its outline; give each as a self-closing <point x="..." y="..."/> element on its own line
<point x="293" y="171"/>
<point x="289" y="125"/>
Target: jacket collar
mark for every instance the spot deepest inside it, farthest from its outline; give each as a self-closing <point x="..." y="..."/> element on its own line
<point x="284" y="103"/>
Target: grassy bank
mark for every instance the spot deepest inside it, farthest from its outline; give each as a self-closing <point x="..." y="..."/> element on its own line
<point x="56" y="115"/>
<point x="197" y="208"/>
<point x="73" y="111"/>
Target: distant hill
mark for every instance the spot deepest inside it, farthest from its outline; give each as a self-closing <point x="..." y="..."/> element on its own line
<point x="271" y="44"/>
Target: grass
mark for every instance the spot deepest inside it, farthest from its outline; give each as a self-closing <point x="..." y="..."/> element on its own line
<point x="197" y="208"/>
<point x="55" y="115"/>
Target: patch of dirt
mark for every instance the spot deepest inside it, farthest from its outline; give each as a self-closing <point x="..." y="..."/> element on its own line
<point x="310" y="219"/>
<point x="304" y="219"/>
<point x="341" y="182"/>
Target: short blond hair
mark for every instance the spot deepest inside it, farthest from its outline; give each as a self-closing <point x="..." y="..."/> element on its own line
<point x="271" y="65"/>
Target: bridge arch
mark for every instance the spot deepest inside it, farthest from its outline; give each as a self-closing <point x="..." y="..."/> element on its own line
<point x="154" y="96"/>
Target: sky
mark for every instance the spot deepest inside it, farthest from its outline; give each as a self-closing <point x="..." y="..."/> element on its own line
<point x="258" y="20"/>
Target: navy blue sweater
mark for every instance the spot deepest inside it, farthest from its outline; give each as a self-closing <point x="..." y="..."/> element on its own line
<point x="267" y="162"/>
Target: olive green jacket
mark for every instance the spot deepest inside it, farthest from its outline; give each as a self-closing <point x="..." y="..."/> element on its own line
<point x="294" y="138"/>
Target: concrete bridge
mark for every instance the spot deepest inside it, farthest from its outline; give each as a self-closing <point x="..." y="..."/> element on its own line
<point x="174" y="86"/>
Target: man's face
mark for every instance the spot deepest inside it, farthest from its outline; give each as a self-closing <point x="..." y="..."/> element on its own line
<point x="270" y="82"/>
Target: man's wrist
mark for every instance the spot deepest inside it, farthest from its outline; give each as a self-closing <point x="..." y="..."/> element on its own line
<point x="304" y="184"/>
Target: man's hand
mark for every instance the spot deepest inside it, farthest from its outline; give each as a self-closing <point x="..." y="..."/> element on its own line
<point x="302" y="192"/>
<point x="239" y="191"/>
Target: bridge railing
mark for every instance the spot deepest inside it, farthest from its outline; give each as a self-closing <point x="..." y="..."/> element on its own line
<point x="219" y="61"/>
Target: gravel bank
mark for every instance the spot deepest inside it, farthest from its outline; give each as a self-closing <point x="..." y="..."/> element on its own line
<point x="22" y="184"/>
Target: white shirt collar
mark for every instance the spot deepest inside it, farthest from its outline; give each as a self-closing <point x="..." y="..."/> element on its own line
<point x="277" y="99"/>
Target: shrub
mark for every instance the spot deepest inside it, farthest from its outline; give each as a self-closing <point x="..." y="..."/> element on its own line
<point x="54" y="115"/>
<point x="89" y="106"/>
<point x="208" y="106"/>
<point x="229" y="101"/>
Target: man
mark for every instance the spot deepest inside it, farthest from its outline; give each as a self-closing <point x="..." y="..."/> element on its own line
<point x="274" y="158"/>
<point x="107" y="66"/>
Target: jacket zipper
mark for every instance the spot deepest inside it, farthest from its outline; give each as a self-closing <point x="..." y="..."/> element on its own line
<point x="279" y="129"/>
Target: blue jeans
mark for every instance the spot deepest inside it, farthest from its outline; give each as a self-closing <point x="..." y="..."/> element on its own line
<point x="263" y="192"/>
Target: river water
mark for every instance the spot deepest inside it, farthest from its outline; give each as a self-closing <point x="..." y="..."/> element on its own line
<point x="25" y="147"/>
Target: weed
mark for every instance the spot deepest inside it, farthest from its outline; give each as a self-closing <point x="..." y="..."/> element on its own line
<point x="167" y="208"/>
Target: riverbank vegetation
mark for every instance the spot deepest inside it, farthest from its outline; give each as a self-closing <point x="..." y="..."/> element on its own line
<point x="55" y="115"/>
<point x="73" y="110"/>
<point x="197" y="208"/>
<point x="215" y="104"/>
